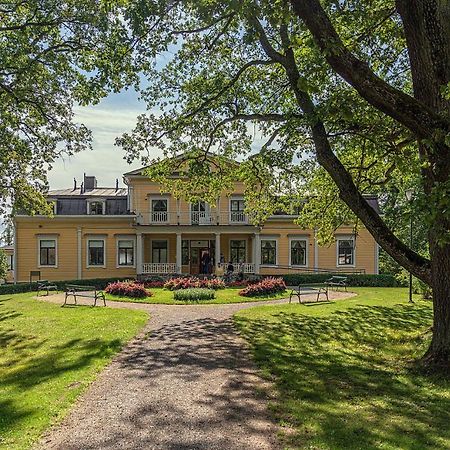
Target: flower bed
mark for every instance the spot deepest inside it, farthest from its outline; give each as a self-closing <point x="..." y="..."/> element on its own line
<point x="194" y="294"/>
<point x="127" y="289"/>
<point x="265" y="287"/>
<point x="175" y="284"/>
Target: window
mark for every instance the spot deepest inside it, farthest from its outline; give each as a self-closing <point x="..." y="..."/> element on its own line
<point x="159" y="251"/>
<point x="238" y="253"/>
<point x="125" y="250"/>
<point x="53" y="204"/>
<point x="159" y="210"/>
<point x="96" y="208"/>
<point x="237" y="207"/>
<point x="269" y="252"/>
<point x="200" y="213"/>
<point x="184" y="252"/>
<point x="96" y="252"/>
<point x="11" y="262"/>
<point x="346" y="252"/>
<point x="298" y="252"/>
<point x="47" y="252"/>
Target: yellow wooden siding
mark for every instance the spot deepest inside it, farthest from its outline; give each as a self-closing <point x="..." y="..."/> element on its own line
<point x="65" y="232"/>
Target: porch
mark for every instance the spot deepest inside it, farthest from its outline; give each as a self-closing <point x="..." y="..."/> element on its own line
<point x="195" y="253"/>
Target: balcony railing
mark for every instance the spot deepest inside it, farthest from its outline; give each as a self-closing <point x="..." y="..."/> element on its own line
<point x="195" y="218"/>
<point x="159" y="268"/>
<point x="244" y="268"/>
<point x="159" y="217"/>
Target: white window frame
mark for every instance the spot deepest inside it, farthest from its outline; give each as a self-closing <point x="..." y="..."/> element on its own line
<point x="345" y="238"/>
<point x="96" y="266"/>
<point x="295" y="239"/>
<point x="207" y="212"/>
<point x="95" y="200"/>
<point x="168" y="250"/>
<point x="268" y="238"/>
<point x="125" y="238"/>
<point x="47" y="238"/>
<point x="239" y="198"/>
<point x="158" y="197"/>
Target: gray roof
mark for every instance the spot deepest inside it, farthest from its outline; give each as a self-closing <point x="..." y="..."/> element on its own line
<point x="97" y="192"/>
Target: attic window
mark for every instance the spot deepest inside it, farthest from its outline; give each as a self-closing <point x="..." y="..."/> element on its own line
<point x="96" y="207"/>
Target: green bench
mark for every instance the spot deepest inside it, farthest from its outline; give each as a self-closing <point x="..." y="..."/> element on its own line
<point x="337" y="282"/>
<point x="84" y="291"/>
<point x="308" y="290"/>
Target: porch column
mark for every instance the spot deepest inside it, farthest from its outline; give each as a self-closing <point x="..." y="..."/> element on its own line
<point x="257" y="252"/>
<point x="217" y="255"/>
<point x="139" y="253"/>
<point x="178" y="254"/>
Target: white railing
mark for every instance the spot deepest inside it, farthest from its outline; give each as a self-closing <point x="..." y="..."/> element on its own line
<point x="159" y="217"/>
<point x="158" y="268"/>
<point x="202" y="218"/>
<point x="237" y="217"/>
<point x="242" y="267"/>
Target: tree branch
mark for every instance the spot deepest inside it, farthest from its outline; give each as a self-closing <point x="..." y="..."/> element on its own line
<point x="415" y="115"/>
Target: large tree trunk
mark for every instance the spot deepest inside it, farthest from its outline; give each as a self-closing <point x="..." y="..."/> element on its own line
<point x="438" y="354"/>
<point x="427" y="31"/>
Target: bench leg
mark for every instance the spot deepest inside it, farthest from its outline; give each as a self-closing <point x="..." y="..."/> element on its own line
<point x="65" y="300"/>
<point x="104" y="300"/>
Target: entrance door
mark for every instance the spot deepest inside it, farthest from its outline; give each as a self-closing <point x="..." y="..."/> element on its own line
<point x="195" y="260"/>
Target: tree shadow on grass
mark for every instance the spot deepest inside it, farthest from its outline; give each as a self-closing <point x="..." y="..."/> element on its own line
<point x="345" y="380"/>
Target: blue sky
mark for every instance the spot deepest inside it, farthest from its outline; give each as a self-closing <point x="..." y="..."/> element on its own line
<point x="107" y="120"/>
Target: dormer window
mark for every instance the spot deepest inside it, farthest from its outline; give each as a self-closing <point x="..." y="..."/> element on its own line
<point x="96" y="207"/>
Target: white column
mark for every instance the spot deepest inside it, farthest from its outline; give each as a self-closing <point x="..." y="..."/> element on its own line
<point x="217" y="255"/>
<point x="139" y="253"/>
<point x="79" y="254"/>
<point x="257" y="252"/>
<point x="178" y="254"/>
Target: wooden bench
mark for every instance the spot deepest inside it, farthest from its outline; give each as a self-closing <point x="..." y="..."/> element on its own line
<point x="84" y="291"/>
<point x="44" y="285"/>
<point x="307" y="290"/>
<point x="337" y="282"/>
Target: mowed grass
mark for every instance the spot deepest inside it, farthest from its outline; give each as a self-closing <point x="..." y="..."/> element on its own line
<point x="344" y="372"/>
<point x="228" y="295"/>
<point x="48" y="355"/>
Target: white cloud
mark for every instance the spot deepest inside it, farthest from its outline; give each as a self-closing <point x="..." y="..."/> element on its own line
<point x="113" y="116"/>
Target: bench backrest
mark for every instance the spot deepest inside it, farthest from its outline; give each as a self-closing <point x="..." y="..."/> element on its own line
<point x="42" y="282"/>
<point x="338" y="278"/>
<point x="76" y="287"/>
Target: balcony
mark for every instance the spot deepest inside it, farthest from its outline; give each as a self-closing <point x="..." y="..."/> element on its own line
<point x="195" y="218"/>
<point x="159" y="268"/>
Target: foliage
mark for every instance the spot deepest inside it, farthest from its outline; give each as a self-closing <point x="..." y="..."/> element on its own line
<point x="223" y="296"/>
<point x="174" y="284"/>
<point x="127" y="289"/>
<point x="49" y="356"/>
<point x="194" y="294"/>
<point x="382" y="280"/>
<point x="153" y="284"/>
<point x="53" y="55"/>
<point x="99" y="283"/>
<point x="343" y="372"/>
<point x="4" y="266"/>
<point x="267" y="286"/>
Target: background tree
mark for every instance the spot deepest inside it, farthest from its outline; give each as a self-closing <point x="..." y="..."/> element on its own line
<point x="360" y="88"/>
<point x="4" y="267"/>
<point x="53" y="54"/>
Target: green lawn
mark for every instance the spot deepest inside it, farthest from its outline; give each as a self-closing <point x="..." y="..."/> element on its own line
<point x="228" y="295"/>
<point x="48" y="355"/>
<point x="344" y="372"/>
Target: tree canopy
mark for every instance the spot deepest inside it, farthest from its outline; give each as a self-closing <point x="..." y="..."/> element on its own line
<point x="53" y="55"/>
<point x="323" y="100"/>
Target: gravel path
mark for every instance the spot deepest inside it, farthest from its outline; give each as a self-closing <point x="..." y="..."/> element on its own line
<point x="186" y="382"/>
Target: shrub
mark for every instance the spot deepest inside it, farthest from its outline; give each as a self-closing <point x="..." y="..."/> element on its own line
<point x="153" y="284"/>
<point x="367" y="280"/>
<point x="194" y="294"/>
<point x="265" y="287"/>
<point x="241" y="283"/>
<point x="175" y="284"/>
<point x="99" y="283"/>
<point x="127" y="289"/>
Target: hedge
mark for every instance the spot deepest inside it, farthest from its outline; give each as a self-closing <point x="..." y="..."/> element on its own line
<point x="99" y="283"/>
<point x="382" y="280"/>
<point x="194" y="294"/>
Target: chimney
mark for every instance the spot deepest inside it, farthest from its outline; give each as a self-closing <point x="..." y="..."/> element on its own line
<point x="117" y="184"/>
<point x="82" y="188"/>
<point x="74" y="184"/>
<point x="90" y="183"/>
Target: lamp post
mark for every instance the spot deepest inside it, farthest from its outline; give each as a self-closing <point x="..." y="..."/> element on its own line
<point x="409" y="193"/>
